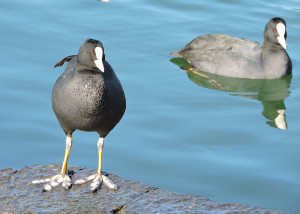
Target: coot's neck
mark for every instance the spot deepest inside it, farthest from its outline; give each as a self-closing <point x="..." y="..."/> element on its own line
<point x="86" y="69"/>
<point x="275" y="57"/>
<point x="271" y="47"/>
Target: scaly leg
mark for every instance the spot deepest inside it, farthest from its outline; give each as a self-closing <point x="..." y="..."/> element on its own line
<point x="98" y="178"/>
<point x="63" y="177"/>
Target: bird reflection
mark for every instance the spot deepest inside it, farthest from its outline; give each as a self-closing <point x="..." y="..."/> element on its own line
<point x="271" y="93"/>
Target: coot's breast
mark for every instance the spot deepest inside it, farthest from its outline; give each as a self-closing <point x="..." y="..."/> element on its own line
<point x="84" y="101"/>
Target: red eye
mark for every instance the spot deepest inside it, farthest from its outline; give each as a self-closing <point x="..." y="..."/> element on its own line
<point x="90" y="52"/>
<point x="273" y="29"/>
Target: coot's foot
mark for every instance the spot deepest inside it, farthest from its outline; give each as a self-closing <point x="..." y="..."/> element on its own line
<point x="54" y="181"/>
<point x="97" y="181"/>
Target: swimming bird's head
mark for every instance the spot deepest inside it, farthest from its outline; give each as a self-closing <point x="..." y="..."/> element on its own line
<point x="275" y="32"/>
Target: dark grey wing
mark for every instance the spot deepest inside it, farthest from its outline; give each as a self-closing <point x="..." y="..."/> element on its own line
<point x="66" y="59"/>
<point x="204" y="43"/>
<point x="218" y="42"/>
<point x="223" y="55"/>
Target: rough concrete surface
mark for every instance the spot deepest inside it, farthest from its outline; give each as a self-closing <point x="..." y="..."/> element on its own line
<point x="17" y="195"/>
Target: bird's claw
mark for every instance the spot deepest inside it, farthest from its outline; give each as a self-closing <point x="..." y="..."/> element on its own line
<point x="54" y="181"/>
<point x="97" y="181"/>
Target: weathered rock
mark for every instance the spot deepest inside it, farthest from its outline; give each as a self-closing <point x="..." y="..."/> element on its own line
<point x="17" y="195"/>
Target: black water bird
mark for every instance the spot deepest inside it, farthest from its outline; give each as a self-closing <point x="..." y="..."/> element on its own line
<point x="88" y="96"/>
<point x="241" y="58"/>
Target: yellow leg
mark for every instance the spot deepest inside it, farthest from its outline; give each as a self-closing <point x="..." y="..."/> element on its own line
<point x="98" y="178"/>
<point x="100" y="148"/>
<point x="63" y="177"/>
<point x="68" y="149"/>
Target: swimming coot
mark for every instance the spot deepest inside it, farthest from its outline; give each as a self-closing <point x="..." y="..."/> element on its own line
<point x="88" y="96"/>
<point x="241" y="58"/>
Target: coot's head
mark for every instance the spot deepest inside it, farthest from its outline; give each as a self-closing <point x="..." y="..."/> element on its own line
<point x="91" y="55"/>
<point x="275" y="32"/>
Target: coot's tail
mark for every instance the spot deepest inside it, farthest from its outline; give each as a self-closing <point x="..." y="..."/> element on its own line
<point x="176" y="53"/>
<point x="66" y="59"/>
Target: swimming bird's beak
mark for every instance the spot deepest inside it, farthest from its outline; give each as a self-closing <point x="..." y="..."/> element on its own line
<point x="282" y="41"/>
<point x="281" y="31"/>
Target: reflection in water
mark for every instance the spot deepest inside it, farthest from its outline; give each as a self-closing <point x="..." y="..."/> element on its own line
<point x="271" y="93"/>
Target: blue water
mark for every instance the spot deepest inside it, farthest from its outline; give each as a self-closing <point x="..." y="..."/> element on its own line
<point x="177" y="133"/>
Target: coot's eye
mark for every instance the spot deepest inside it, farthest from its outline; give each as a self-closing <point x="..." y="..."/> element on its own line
<point x="273" y="29"/>
<point x="90" y="52"/>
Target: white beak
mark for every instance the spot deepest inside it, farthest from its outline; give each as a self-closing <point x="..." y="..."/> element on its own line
<point x="281" y="31"/>
<point x="98" y="61"/>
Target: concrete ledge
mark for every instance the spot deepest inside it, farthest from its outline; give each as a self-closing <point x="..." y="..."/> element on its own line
<point x="18" y="196"/>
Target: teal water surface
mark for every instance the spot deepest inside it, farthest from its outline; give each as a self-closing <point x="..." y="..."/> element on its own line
<point x="183" y="131"/>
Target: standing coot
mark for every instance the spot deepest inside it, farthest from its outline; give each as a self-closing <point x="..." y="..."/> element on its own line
<point x="88" y="96"/>
<point x="241" y="58"/>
